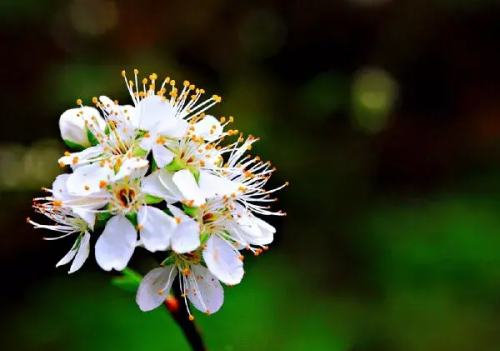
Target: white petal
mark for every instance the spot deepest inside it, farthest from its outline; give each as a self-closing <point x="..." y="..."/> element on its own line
<point x="212" y="185"/>
<point x="82" y="254"/>
<point x="175" y="130"/>
<point x="205" y="128"/>
<point x="59" y="189"/>
<point x="223" y="261"/>
<point x="166" y="179"/>
<point x="204" y="290"/>
<point x="87" y="179"/>
<point x="177" y="212"/>
<point x="153" y="110"/>
<point x="115" y="246"/>
<point x="186" y="183"/>
<point x="147" y="143"/>
<point x="68" y="257"/>
<point x="132" y="115"/>
<point x="85" y="214"/>
<point x="133" y="167"/>
<point x="157" y="228"/>
<point x="162" y="155"/>
<point x="151" y="185"/>
<point x="154" y="287"/>
<point x="267" y="231"/>
<point x="72" y="124"/>
<point x="186" y="238"/>
<point x="81" y="157"/>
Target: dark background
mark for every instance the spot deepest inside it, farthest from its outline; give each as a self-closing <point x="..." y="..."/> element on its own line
<point x="383" y="115"/>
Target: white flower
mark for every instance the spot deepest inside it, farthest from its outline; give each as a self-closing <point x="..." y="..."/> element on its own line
<point x="157" y="230"/>
<point x="115" y="135"/>
<point x="93" y="178"/>
<point x="68" y="223"/>
<point x="182" y="186"/>
<point x="73" y="125"/>
<point x="197" y="284"/>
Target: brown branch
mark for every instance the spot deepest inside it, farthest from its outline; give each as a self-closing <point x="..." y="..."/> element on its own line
<point x="175" y="305"/>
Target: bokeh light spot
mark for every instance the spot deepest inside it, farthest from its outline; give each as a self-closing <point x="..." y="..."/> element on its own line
<point x="93" y="17"/>
<point x="374" y="93"/>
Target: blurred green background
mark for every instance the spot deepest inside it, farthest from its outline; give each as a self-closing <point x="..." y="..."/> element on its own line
<point x="383" y="115"/>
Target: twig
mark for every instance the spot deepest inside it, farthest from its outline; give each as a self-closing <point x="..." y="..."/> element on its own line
<point x="177" y="309"/>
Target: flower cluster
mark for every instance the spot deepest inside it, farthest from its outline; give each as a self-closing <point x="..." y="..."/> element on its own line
<point x="160" y="174"/>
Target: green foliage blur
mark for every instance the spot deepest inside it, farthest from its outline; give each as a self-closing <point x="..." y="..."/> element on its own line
<point x="384" y="116"/>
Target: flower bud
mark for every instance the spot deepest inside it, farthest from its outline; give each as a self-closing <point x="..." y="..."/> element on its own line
<point x="73" y="129"/>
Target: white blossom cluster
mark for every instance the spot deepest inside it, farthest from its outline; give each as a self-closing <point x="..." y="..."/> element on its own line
<point x="163" y="175"/>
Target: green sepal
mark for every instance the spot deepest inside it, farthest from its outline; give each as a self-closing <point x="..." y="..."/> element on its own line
<point x="167" y="211"/>
<point x="103" y="216"/>
<point x="168" y="261"/>
<point x="204" y="237"/>
<point x="137" y="151"/>
<point x="93" y="140"/>
<point x="107" y="130"/>
<point x="154" y="166"/>
<point x="196" y="174"/>
<point x="175" y="165"/>
<point x="190" y="211"/>
<point x="74" y="146"/>
<point x="77" y="243"/>
<point x="140" y="134"/>
<point x="150" y="199"/>
<point x="132" y="217"/>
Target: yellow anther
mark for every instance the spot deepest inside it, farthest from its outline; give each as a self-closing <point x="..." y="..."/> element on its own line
<point x="186" y="83"/>
<point x="136" y="71"/>
<point x="123" y="73"/>
<point x="79" y="102"/>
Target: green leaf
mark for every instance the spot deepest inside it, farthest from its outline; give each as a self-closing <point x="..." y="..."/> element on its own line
<point x="107" y="130"/>
<point x="150" y="199"/>
<point x="131" y="274"/>
<point x="125" y="283"/>
<point x="93" y="140"/>
<point x="129" y="281"/>
<point x="132" y="217"/>
<point x="74" y="146"/>
<point x="190" y="211"/>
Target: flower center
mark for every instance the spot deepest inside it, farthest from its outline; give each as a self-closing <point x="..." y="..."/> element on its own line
<point x="126" y="198"/>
